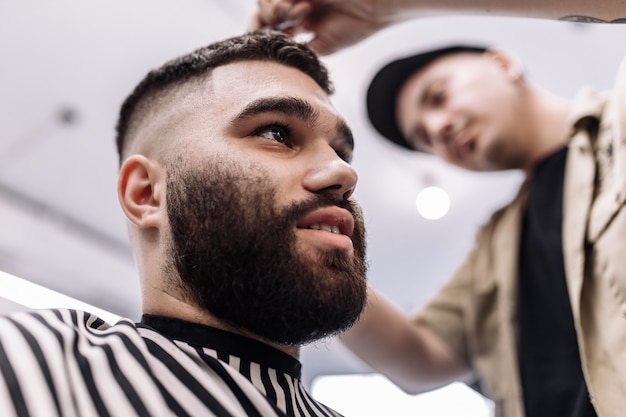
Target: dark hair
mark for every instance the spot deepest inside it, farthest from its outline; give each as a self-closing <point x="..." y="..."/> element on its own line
<point x="264" y="45"/>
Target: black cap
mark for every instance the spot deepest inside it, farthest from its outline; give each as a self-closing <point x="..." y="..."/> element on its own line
<point x="386" y="84"/>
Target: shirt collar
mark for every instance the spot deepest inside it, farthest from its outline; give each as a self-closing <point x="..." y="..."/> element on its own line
<point x="588" y="104"/>
<point x="224" y="342"/>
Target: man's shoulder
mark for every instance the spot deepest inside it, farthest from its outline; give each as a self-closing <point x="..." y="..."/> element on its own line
<point x="62" y="324"/>
<point x="590" y="102"/>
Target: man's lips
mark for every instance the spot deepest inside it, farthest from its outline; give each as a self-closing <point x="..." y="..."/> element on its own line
<point x="328" y="227"/>
<point x="330" y="219"/>
<point x="464" y="141"/>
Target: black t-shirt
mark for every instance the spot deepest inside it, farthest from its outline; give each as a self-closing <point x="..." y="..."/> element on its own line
<point x="550" y="368"/>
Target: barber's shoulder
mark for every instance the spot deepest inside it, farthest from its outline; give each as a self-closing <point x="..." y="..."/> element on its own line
<point x="505" y="216"/>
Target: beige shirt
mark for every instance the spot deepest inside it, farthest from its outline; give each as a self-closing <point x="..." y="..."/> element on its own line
<point x="476" y="311"/>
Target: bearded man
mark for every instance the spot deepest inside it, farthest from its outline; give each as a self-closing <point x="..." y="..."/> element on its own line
<point x="236" y="181"/>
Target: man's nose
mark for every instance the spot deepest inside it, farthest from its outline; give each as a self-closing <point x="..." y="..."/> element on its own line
<point x="439" y="126"/>
<point x="330" y="174"/>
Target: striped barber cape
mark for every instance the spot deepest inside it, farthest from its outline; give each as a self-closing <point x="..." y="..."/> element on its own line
<point x="70" y="363"/>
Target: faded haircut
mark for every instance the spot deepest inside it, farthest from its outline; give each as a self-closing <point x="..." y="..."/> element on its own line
<point x="264" y="45"/>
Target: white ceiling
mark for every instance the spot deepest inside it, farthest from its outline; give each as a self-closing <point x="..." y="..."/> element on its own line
<point x="67" y="65"/>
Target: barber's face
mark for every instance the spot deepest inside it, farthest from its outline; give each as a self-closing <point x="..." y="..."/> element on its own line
<point x="264" y="233"/>
<point x="466" y="108"/>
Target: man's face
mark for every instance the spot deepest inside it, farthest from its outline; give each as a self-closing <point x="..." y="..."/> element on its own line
<point x="468" y="109"/>
<point x="264" y="235"/>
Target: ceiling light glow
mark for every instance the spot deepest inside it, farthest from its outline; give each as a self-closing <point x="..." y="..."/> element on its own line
<point x="432" y="203"/>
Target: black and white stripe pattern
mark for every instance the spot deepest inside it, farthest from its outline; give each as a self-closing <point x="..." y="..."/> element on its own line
<point x="71" y="363"/>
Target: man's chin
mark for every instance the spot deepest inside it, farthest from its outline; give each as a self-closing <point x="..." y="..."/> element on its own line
<point x="326" y="258"/>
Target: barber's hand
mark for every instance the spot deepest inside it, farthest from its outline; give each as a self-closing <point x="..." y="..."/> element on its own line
<point x="334" y="24"/>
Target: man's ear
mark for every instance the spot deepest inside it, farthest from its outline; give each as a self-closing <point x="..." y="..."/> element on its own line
<point x="508" y="62"/>
<point x="141" y="191"/>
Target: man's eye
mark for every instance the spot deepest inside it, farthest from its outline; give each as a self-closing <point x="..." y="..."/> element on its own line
<point x="277" y="133"/>
<point x="435" y="94"/>
<point x="345" y="153"/>
<point x="437" y="98"/>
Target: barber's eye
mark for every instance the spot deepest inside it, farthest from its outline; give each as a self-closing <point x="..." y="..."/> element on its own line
<point x="435" y="94"/>
<point x="275" y="132"/>
<point x="437" y="98"/>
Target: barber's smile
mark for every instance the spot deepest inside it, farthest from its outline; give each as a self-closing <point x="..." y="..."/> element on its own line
<point x="328" y="226"/>
<point x="465" y="141"/>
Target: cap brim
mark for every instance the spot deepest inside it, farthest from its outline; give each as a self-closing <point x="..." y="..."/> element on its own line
<point x="386" y="84"/>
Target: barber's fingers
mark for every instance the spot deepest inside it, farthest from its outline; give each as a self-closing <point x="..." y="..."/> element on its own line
<point x="280" y="14"/>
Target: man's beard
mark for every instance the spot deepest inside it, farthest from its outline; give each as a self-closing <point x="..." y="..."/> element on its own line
<point x="237" y="258"/>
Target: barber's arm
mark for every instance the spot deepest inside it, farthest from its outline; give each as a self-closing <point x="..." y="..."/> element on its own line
<point x="410" y="354"/>
<point x="340" y="23"/>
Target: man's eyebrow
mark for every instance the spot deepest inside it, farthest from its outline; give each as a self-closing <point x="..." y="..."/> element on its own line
<point x="289" y="106"/>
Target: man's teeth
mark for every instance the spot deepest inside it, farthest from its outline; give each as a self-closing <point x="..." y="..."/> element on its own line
<point x="326" y="227"/>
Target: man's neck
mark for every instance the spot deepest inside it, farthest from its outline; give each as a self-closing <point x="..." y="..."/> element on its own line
<point x="550" y="131"/>
<point x="173" y="307"/>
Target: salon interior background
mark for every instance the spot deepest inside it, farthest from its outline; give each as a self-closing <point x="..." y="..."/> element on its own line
<point x="67" y="65"/>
